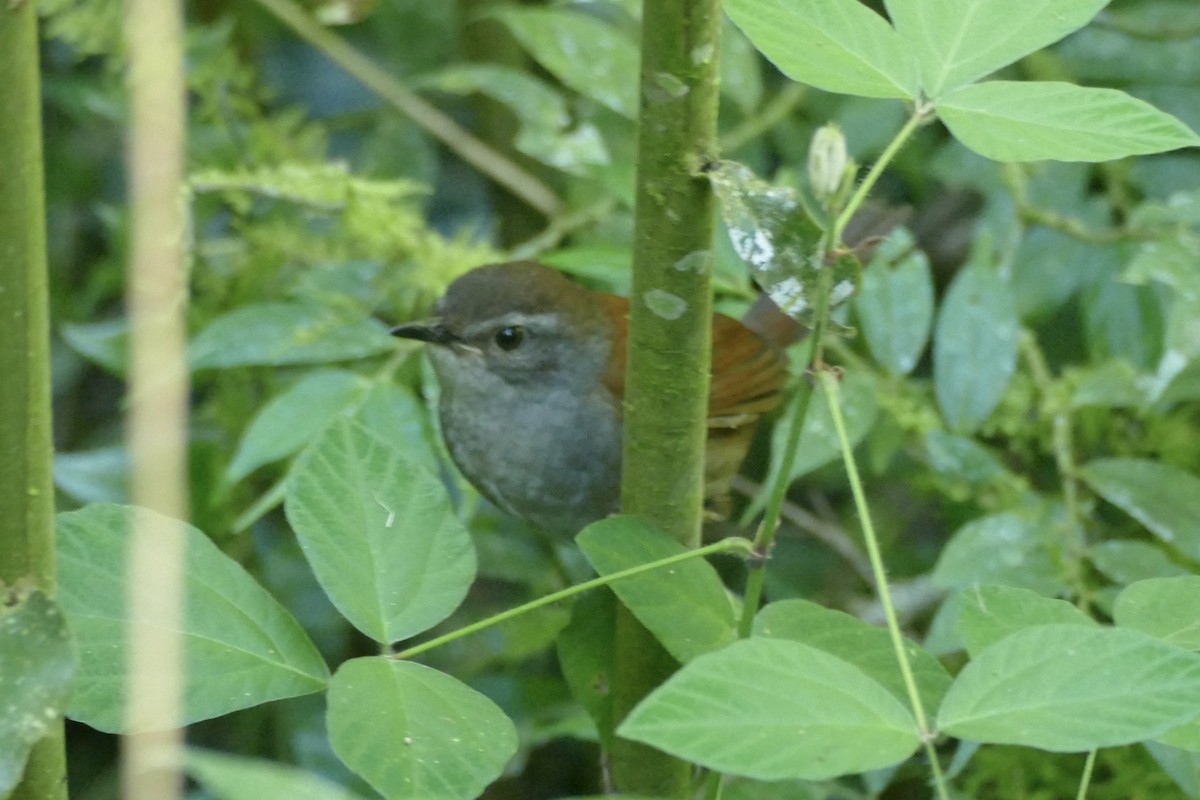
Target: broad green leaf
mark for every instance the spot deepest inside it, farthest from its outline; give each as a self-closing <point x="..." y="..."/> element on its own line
<point x="1185" y="737"/>
<point x="240" y="647"/>
<point x="989" y="613"/>
<point x="865" y="646"/>
<point x="1125" y="561"/>
<point x="37" y="662"/>
<point x="585" y="653"/>
<point x="1039" y="120"/>
<point x="103" y="343"/>
<point x="895" y="306"/>
<point x="1181" y="765"/>
<point x="379" y="532"/>
<point x="1184" y="386"/>
<point x="545" y="132"/>
<point x="959" y="458"/>
<point x="227" y="777"/>
<point x="395" y="414"/>
<point x="773" y="709"/>
<point x="584" y="52"/>
<point x="291" y="419"/>
<point x="1072" y="688"/>
<point x="1163" y="498"/>
<point x="771" y="231"/>
<point x="1008" y="548"/>
<point x="741" y="70"/>
<point x="1123" y="321"/>
<point x="974" y="346"/>
<point x="1168" y="608"/>
<point x="414" y="732"/>
<point x="1112" y="383"/>
<point x="685" y="605"/>
<point x="833" y="45"/>
<point x="275" y="334"/>
<point x="959" y="41"/>
<point x="94" y="476"/>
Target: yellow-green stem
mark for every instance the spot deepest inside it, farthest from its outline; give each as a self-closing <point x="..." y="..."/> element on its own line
<point x="919" y="115"/>
<point x="829" y="383"/>
<point x="724" y="546"/>
<point x="1086" y="778"/>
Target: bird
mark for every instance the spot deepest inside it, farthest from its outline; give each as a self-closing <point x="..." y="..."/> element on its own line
<point x="531" y="368"/>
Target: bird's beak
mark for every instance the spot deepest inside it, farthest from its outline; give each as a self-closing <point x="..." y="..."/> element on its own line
<point x="433" y="331"/>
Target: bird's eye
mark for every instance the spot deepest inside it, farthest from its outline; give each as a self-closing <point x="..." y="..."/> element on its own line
<point x="510" y="338"/>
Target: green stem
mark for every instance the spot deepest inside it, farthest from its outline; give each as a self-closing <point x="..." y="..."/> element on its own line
<point x="669" y="342"/>
<point x="732" y="544"/>
<point x="1062" y="440"/>
<point x="1086" y="778"/>
<point x="156" y="432"/>
<point x="764" y="537"/>
<point x="919" y="115"/>
<point x="486" y="159"/>
<point x="829" y="383"/>
<point x="26" y="453"/>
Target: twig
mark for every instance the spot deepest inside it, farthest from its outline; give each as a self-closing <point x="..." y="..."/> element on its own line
<point x="474" y="151"/>
<point x="829" y="533"/>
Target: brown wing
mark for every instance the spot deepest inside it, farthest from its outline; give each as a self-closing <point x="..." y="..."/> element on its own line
<point x="748" y="374"/>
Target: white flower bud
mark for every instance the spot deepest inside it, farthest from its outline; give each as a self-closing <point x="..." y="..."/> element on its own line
<point x="827" y="161"/>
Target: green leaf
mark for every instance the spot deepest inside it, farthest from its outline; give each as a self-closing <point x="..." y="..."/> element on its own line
<point x="416" y="733"/>
<point x="1007" y="548"/>
<point x="1034" y="121"/>
<point x="1168" y="608"/>
<point x="773" y="709"/>
<point x="585" y="652"/>
<point x="291" y="419"/>
<point x="37" y="663"/>
<point x="1112" y="383"/>
<point x="1123" y="321"/>
<point x="988" y="614"/>
<point x="275" y="334"/>
<point x="974" y="346"/>
<point x="229" y="777"/>
<point x="959" y="458"/>
<point x="1182" y="766"/>
<point x="94" y="476"/>
<point x="1125" y="562"/>
<point x="584" y="52"/>
<point x="1163" y="498"/>
<point x="865" y="646"/>
<point x="1071" y="688"/>
<point x="833" y="45"/>
<point x="1185" y="737"/>
<point x="545" y="132"/>
<point x="103" y="343"/>
<point x="959" y="41"/>
<point x="685" y="605"/>
<point x="741" y="70"/>
<point x="771" y="231"/>
<point x="240" y="647"/>
<point x="379" y="532"/>
<point x="393" y="413"/>
<point x="895" y="306"/>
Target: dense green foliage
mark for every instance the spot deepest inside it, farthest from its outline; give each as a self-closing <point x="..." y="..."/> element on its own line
<point x="1020" y="381"/>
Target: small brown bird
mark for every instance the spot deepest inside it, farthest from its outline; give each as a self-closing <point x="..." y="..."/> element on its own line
<point x="532" y="375"/>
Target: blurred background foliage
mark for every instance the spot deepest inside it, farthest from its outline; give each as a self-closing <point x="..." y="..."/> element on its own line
<point x="321" y="214"/>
